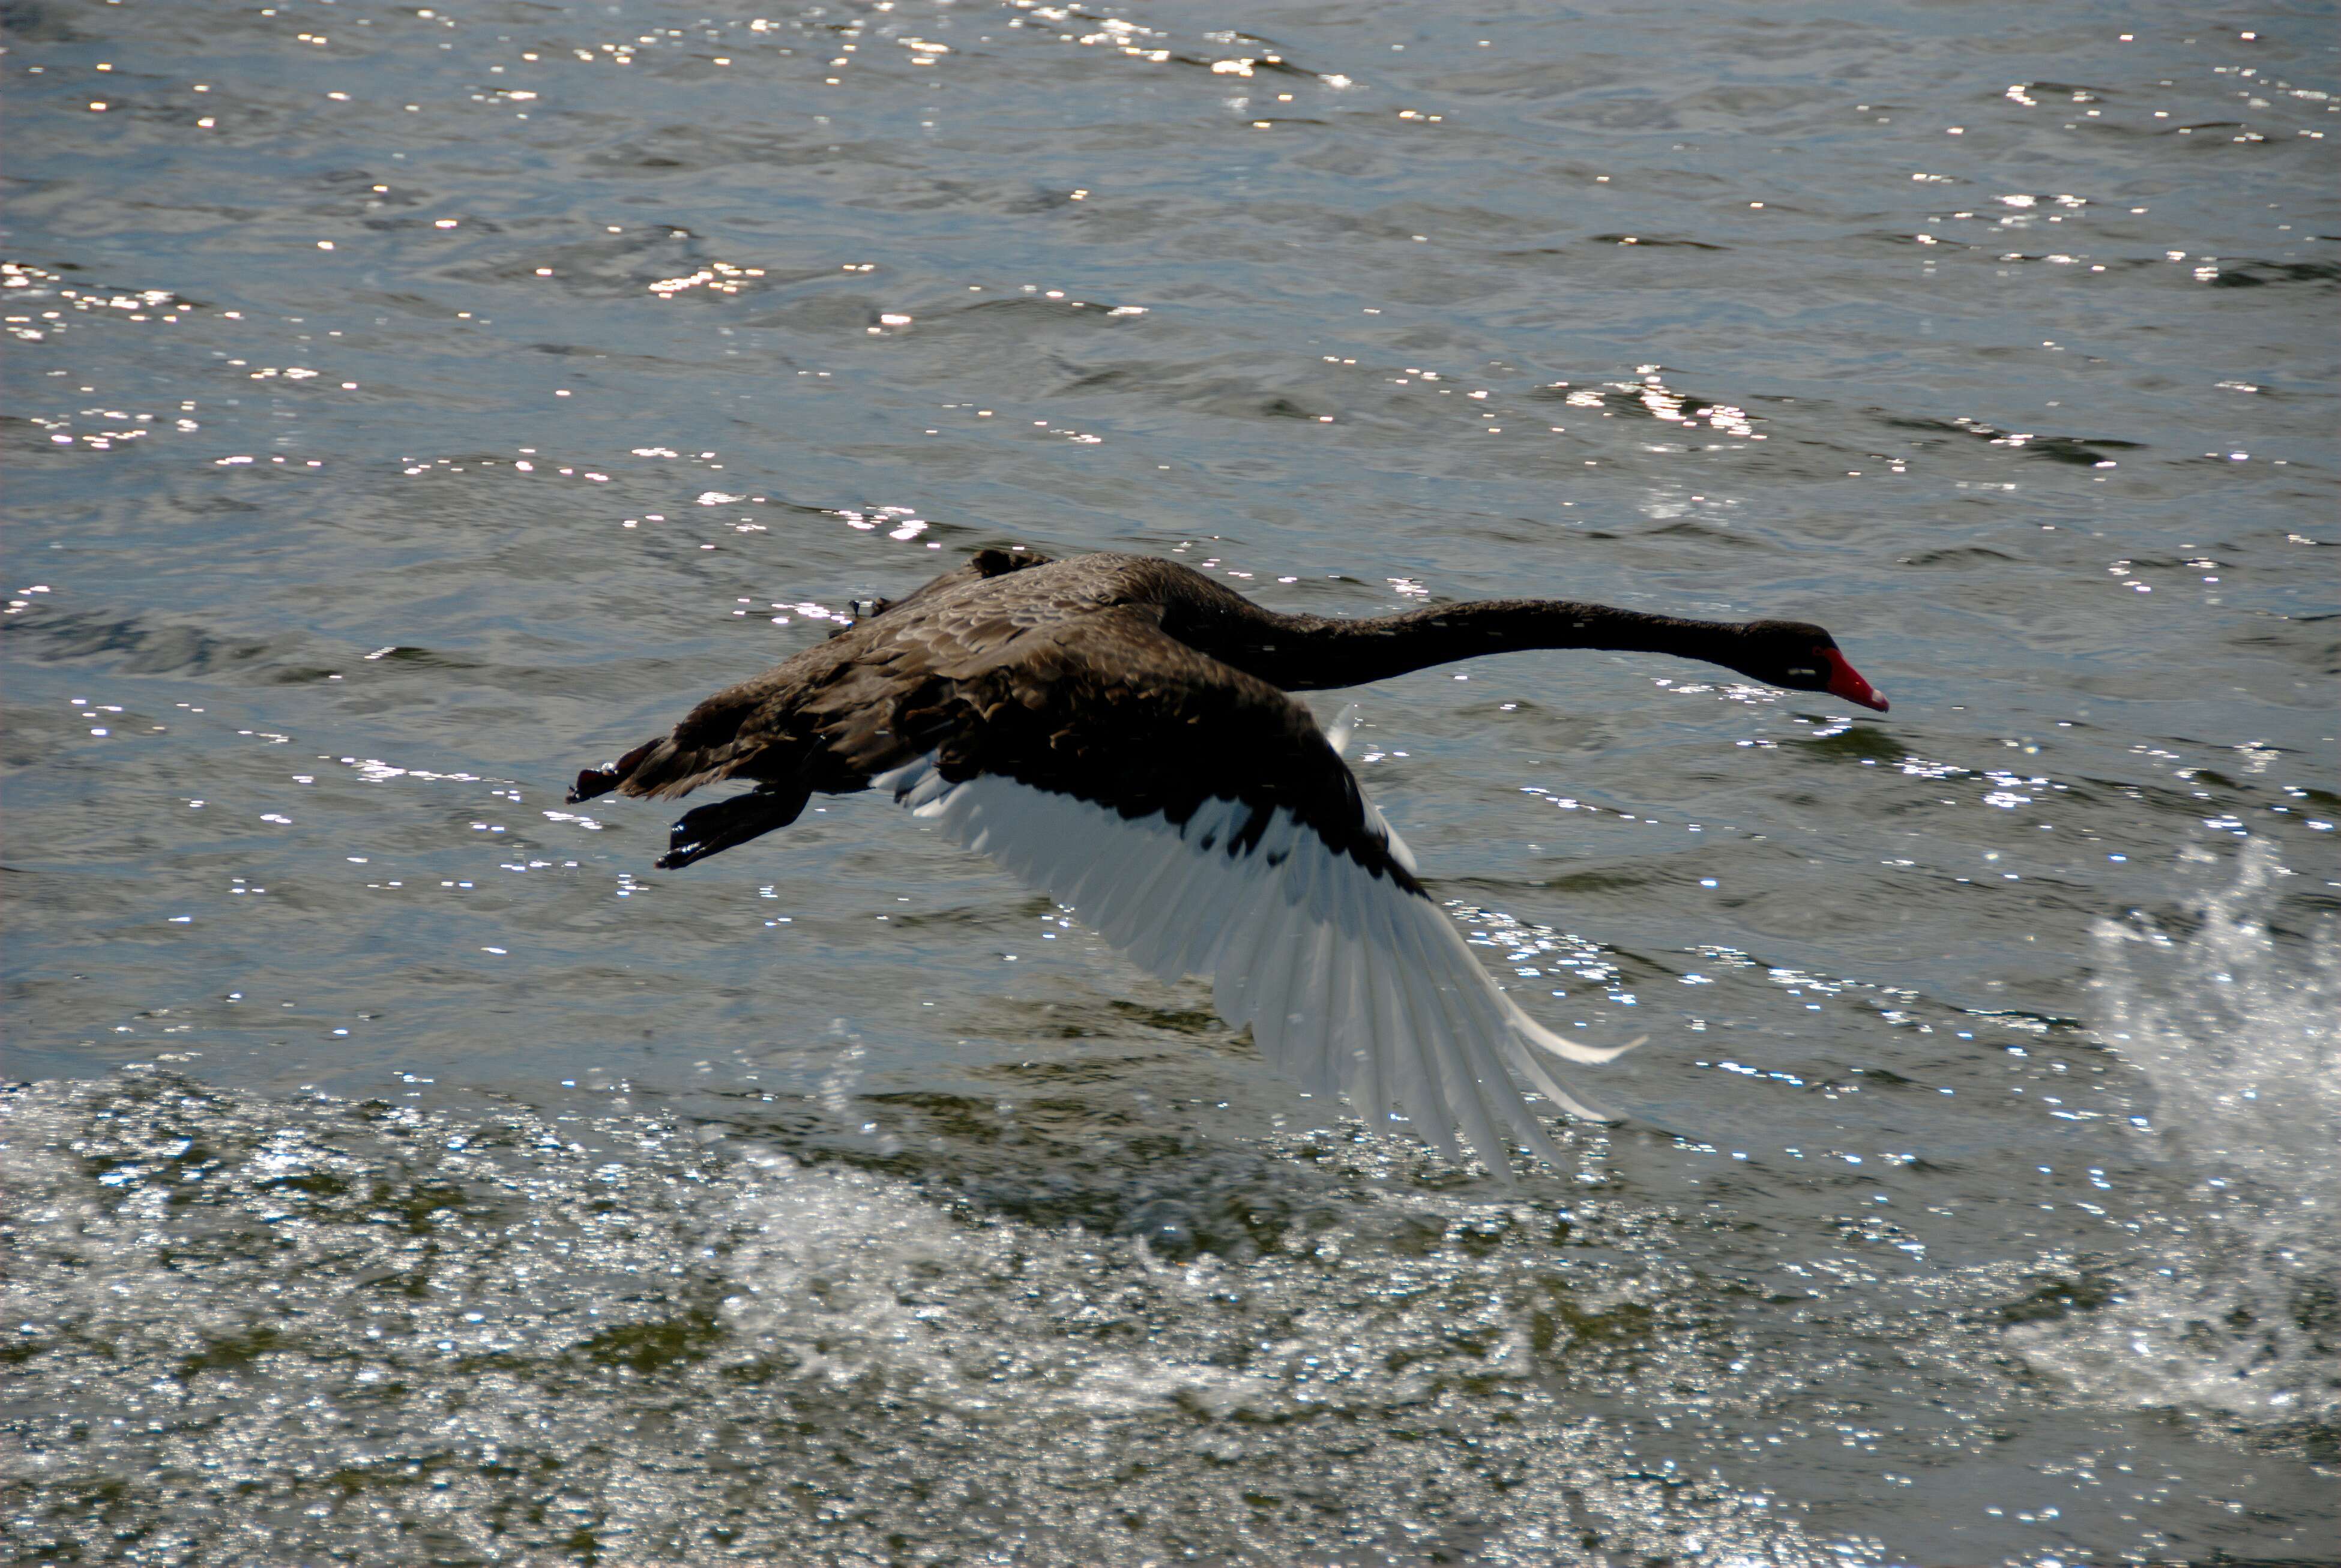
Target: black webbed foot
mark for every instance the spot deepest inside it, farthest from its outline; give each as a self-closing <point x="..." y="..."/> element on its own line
<point x="712" y="828"/>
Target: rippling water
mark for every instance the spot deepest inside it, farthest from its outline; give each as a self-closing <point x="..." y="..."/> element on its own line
<point x="405" y="405"/>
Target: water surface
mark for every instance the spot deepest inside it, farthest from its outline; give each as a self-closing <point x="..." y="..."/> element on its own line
<point x="407" y="406"/>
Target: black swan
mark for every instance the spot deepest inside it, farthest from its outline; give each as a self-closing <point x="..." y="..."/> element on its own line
<point x="1114" y="730"/>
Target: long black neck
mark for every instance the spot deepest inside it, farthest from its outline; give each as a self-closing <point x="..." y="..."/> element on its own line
<point x="1311" y="653"/>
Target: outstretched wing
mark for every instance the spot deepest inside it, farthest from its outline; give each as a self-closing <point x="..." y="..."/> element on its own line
<point x="1198" y="819"/>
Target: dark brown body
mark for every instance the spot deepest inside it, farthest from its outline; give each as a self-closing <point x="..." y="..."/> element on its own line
<point x="1123" y="679"/>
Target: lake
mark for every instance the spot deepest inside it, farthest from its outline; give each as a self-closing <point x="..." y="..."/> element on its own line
<point x="408" y="406"/>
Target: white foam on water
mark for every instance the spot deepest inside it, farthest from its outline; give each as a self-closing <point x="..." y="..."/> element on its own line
<point x="850" y="1278"/>
<point x="296" y="1330"/>
<point x="2235" y="1311"/>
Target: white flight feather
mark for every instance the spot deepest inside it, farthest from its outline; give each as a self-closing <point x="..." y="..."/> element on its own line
<point x="1348" y="982"/>
<point x="1308" y="1013"/>
<point x="1344" y="724"/>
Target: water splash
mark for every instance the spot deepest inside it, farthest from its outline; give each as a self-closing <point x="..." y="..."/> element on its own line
<point x="2235" y="1313"/>
<point x="263" y="1329"/>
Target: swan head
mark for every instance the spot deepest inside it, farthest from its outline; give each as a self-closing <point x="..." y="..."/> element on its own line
<point x="1801" y="657"/>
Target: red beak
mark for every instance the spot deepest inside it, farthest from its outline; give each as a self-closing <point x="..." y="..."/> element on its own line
<point x="1847" y="682"/>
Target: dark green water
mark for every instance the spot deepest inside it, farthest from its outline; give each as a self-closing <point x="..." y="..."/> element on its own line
<point x="405" y="406"/>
